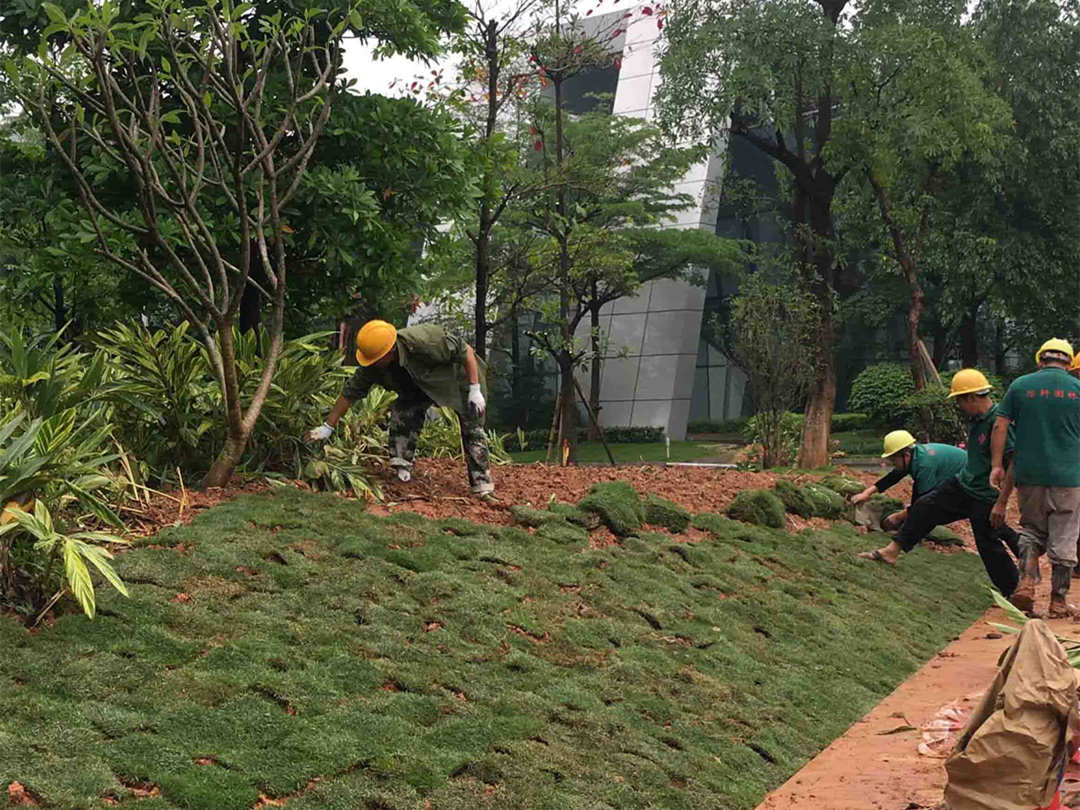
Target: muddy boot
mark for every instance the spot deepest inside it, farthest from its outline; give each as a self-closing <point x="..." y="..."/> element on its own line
<point x="1024" y="595"/>
<point x="1060" y="577"/>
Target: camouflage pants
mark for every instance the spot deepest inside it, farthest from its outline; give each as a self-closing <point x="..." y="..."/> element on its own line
<point x="407" y="420"/>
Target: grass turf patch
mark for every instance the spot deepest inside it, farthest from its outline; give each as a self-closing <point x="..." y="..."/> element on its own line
<point x="349" y="661"/>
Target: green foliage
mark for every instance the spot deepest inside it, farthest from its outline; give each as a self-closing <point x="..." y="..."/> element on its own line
<point x="758" y="506"/>
<point x="879" y="390"/>
<point x="774" y="328"/>
<point x="825" y="502"/>
<point x="931" y="416"/>
<point x="60" y="556"/>
<point x="667" y="514"/>
<point x="707" y="426"/>
<point x="794" y="498"/>
<point x="844" y="486"/>
<point x="618" y="505"/>
<point x="846" y="422"/>
<point x="784" y="432"/>
<point x="438" y="661"/>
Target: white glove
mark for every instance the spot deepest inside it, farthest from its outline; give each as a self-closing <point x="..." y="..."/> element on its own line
<point x="404" y="475"/>
<point x="476" y="399"/>
<point x="321" y="433"/>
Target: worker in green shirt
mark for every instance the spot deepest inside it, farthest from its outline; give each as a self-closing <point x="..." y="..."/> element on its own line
<point x="967" y="494"/>
<point x="424" y="365"/>
<point x="1044" y="410"/>
<point x="929" y="466"/>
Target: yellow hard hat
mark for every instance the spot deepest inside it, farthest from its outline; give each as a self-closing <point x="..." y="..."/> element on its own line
<point x="1054" y="345"/>
<point x="374" y="340"/>
<point x="969" y="381"/>
<point x="896" y="441"/>
<point x="1075" y="364"/>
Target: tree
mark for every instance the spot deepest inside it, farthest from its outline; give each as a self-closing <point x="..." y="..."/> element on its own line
<point x="213" y="123"/>
<point x="772" y="73"/>
<point x="599" y="214"/>
<point x="774" y="330"/>
<point x="919" y="131"/>
<point x="497" y="75"/>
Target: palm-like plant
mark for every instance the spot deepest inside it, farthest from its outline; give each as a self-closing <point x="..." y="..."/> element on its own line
<point x="72" y="551"/>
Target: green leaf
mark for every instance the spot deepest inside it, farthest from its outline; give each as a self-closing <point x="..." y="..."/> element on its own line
<point x="78" y="577"/>
<point x="55" y="13"/>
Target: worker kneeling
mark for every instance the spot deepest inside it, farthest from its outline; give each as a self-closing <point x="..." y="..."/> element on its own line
<point x="423" y="365"/>
<point x="964" y="494"/>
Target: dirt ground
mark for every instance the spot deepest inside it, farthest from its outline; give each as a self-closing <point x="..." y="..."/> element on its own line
<point x="877" y="763"/>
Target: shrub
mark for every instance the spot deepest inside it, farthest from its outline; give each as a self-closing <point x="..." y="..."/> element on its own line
<point x="878" y="392"/>
<point x="824" y="502"/>
<point x="788" y="437"/>
<point x="662" y="512"/>
<point x="618" y="505"/>
<point x="794" y="498"/>
<point x="931" y="416"/>
<point x="758" y="506"/>
<point x="844" y="486"/>
<point x="707" y="426"/>
<point x="847" y="422"/>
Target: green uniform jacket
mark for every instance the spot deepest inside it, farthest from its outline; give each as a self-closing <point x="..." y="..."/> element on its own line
<point x="433" y="358"/>
<point x="934" y="464"/>
<point x="975" y="479"/>
<point x="1045" y="410"/>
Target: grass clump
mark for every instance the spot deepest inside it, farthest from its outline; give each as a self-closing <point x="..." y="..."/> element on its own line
<point x="841" y="485"/>
<point x="618" y="505"/>
<point x="944" y="536"/>
<point x="795" y="500"/>
<point x="825" y="502"/>
<point x="758" y="506"/>
<point x="576" y="515"/>
<point x="327" y="658"/>
<point x="532" y="517"/>
<point x="667" y="514"/>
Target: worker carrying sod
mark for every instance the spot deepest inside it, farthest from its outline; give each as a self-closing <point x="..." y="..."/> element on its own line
<point x="423" y="365"/>
<point x="967" y="494"/>
<point x="1044" y="410"/>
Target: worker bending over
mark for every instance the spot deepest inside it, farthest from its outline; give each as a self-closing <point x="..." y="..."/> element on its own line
<point x="424" y="365"/>
<point x="967" y="494"/>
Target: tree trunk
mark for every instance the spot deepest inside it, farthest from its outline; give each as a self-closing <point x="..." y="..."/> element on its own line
<point x="969" y="337"/>
<point x="595" y="365"/>
<point x="568" y="407"/>
<point x="821" y="400"/>
<point x="59" y="309"/>
<point x="941" y="342"/>
<point x="916" y="297"/>
<point x="1000" y="350"/>
<point x="483" y="273"/>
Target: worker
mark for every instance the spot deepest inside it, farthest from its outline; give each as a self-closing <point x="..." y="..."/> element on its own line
<point x="929" y="465"/>
<point x="423" y="365"/>
<point x="1044" y="410"/>
<point x="967" y="494"/>
<point x="1074" y="369"/>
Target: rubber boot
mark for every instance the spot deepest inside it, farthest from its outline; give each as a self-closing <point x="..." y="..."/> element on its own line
<point x="1060" y="579"/>
<point x="1024" y="595"/>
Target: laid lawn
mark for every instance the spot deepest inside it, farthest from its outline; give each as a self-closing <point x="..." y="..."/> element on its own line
<point x="632" y="451"/>
<point x="293" y="647"/>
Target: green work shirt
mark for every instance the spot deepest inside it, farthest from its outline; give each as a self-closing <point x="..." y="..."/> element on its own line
<point x="934" y="464"/>
<point x="975" y="478"/>
<point x="1045" y="411"/>
<point x="433" y="359"/>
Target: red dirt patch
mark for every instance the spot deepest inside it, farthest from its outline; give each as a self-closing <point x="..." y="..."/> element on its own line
<point x="20" y="796"/>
